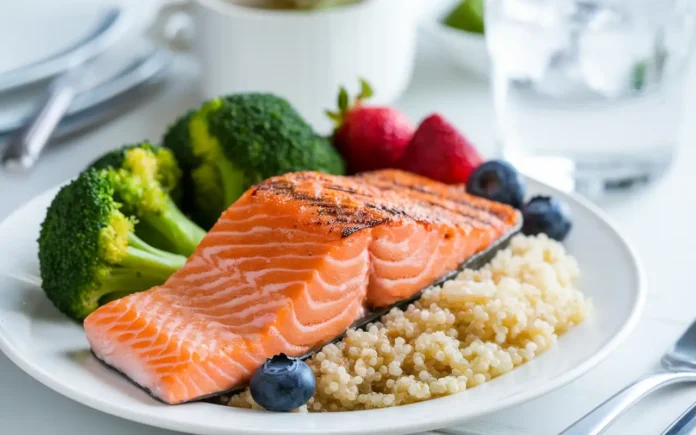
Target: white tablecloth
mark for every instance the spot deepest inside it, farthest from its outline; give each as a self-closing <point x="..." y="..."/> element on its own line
<point x="659" y="221"/>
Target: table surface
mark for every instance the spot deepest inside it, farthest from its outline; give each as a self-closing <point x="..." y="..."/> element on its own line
<point x="657" y="220"/>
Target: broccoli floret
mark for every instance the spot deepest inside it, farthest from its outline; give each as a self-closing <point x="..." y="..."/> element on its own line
<point x="177" y="135"/>
<point x="143" y="177"/>
<point x="88" y="252"/>
<point x="178" y="139"/>
<point x="231" y="143"/>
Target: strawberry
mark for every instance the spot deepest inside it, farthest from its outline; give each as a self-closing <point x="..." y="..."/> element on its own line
<point x="369" y="137"/>
<point x="438" y="151"/>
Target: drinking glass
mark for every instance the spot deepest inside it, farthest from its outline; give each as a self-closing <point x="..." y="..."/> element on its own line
<point x="588" y="93"/>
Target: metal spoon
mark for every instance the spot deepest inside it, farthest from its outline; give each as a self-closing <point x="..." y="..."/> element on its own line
<point x="678" y="364"/>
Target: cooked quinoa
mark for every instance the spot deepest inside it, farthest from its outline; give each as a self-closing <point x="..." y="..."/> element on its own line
<point x="459" y="335"/>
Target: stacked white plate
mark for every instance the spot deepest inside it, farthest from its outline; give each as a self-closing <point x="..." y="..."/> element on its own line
<point x="45" y="39"/>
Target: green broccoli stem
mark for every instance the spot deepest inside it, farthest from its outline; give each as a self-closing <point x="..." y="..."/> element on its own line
<point x="150" y="261"/>
<point x="233" y="184"/>
<point x="149" y="234"/>
<point x="122" y="282"/>
<point x="181" y="233"/>
<point x="143" y="267"/>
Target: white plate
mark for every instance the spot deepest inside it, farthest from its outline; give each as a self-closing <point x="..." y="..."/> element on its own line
<point x="465" y="49"/>
<point x="49" y="37"/>
<point x="54" y="350"/>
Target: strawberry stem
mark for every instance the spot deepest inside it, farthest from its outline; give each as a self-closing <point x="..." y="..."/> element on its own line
<point x="334" y="116"/>
<point x="343" y="101"/>
<point x="344" y="104"/>
<point x="365" y="90"/>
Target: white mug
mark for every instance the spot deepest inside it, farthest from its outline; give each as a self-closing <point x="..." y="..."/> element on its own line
<point x="303" y="56"/>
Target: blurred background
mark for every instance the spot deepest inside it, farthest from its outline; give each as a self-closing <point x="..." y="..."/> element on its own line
<point x="587" y="95"/>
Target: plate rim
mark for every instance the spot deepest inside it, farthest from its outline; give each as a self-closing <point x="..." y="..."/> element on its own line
<point x="87" y="46"/>
<point x="157" y="420"/>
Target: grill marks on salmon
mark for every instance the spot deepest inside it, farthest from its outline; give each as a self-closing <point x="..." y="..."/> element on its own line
<point x="290" y="266"/>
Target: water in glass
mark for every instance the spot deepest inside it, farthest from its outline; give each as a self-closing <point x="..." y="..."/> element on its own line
<point x="588" y="93"/>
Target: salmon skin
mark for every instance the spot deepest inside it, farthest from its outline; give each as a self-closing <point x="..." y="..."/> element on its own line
<point x="290" y="266"/>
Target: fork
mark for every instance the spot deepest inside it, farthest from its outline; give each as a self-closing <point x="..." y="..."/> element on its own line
<point x="678" y="365"/>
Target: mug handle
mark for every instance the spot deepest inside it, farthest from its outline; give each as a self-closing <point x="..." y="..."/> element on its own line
<point x="172" y="27"/>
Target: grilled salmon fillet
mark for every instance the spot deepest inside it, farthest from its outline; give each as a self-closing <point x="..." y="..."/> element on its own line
<point x="291" y="265"/>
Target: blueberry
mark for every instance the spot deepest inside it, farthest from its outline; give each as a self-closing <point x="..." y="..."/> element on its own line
<point x="282" y="384"/>
<point x="544" y="214"/>
<point x="499" y="181"/>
